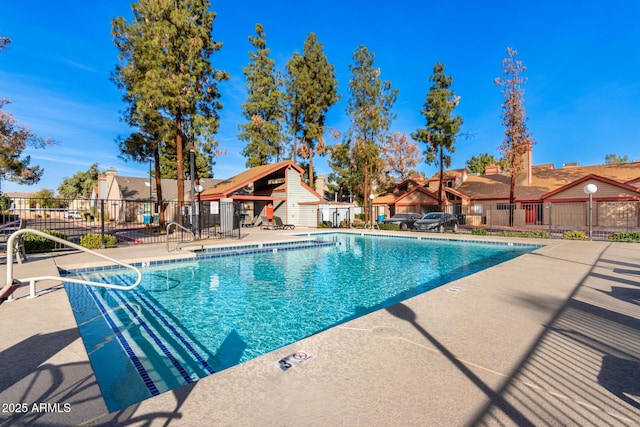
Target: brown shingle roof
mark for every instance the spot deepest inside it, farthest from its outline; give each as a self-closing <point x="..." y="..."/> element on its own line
<point x="545" y="178"/>
<point x="242" y="179"/>
<point x="384" y="199"/>
<point x="133" y="188"/>
<point x="447" y="174"/>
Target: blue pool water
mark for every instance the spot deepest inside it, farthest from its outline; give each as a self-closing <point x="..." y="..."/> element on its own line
<point x="190" y="319"/>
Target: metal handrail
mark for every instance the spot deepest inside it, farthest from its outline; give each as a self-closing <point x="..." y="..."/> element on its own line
<point x="193" y="235"/>
<point x="32" y="280"/>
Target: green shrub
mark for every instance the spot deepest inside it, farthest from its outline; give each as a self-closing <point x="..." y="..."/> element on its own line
<point x="625" y="237"/>
<point x="360" y="216"/>
<point x="479" y="231"/>
<point x="533" y="234"/>
<point x="34" y="243"/>
<point x="94" y="241"/>
<point x="5" y="202"/>
<point x="536" y="234"/>
<point x="393" y="227"/>
<point x="325" y="224"/>
<point x="574" y="235"/>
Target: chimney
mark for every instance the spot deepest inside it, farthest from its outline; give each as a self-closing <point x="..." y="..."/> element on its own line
<point x="525" y="177"/>
<point x="492" y="170"/>
<point x="111" y="176"/>
<point x="320" y="185"/>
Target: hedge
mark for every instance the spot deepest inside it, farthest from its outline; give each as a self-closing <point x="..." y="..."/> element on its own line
<point x="94" y="241"/>
<point x="34" y="243"/>
<point x="393" y="227"/>
<point x="574" y="235"/>
<point x="625" y="237"/>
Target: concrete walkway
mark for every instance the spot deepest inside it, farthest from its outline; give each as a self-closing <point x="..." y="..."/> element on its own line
<point x="550" y="338"/>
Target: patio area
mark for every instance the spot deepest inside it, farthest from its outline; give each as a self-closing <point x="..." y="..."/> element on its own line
<point x="549" y="338"/>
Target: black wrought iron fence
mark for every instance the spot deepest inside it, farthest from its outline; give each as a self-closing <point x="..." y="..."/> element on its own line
<point x="127" y="221"/>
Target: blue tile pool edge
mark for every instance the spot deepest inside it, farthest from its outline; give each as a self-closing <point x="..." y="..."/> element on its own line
<point x="418" y="237"/>
<point x="225" y="251"/>
<point x="208" y="253"/>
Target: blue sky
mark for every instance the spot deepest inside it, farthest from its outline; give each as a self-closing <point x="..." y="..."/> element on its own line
<point x="582" y="97"/>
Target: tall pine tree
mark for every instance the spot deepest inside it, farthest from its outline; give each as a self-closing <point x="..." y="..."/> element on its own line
<point x="294" y="107"/>
<point x="165" y="71"/>
<point x="312" y="90"/>
<point x="370" y="109"/>
<point x="263" y="108"/>
<point x="441" y="128"/>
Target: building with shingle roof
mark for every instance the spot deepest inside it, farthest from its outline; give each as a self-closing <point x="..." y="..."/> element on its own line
<point x="543" y="193"/>
<point x="116" y="187"/>
<point x="270" y="190"/>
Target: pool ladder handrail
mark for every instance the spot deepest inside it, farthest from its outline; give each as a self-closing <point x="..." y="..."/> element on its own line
<point x="32" y="280"/>
<point x="193" y="235"/>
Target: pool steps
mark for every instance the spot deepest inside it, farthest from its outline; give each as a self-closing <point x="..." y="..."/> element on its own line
<point x="184" y="359"/>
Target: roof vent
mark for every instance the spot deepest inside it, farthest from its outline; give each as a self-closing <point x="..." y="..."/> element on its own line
<point x="570" y="164"/>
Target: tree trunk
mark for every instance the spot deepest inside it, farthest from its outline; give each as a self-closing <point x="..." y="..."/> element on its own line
<point x="512" y="191"/>
<point x="365" y="192"/>
<point x="310" y="167"/>
<point x="295" y="148"/>
<point x="179" y="159"/>
<point x="161" y="207"/>
<point x="440" y="190"/>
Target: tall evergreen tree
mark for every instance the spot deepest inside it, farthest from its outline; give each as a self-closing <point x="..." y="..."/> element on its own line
<point x="263" y="108"/>
<point x="165" y="70"/>
<point x="312" y="90"/>
<point x="370" y="109"/>
<point x="293" y="104"/>
<point x="204" y="157"/>
<point x="517" y="139"/>
<point x="441" y="128"/>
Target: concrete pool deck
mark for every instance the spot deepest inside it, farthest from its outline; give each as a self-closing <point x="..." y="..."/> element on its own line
<point x="549" y="338"/>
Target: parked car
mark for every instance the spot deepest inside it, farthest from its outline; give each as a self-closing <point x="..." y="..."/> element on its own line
<point x="437" y="221"/>
<point x="72" y="215"/>
<point x="403" y="220"/>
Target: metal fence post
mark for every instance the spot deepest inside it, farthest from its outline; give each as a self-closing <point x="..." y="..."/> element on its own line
<point x="102" y="221"/>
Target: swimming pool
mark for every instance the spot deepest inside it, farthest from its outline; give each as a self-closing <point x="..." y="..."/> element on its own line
<point x="189" y="319"/>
